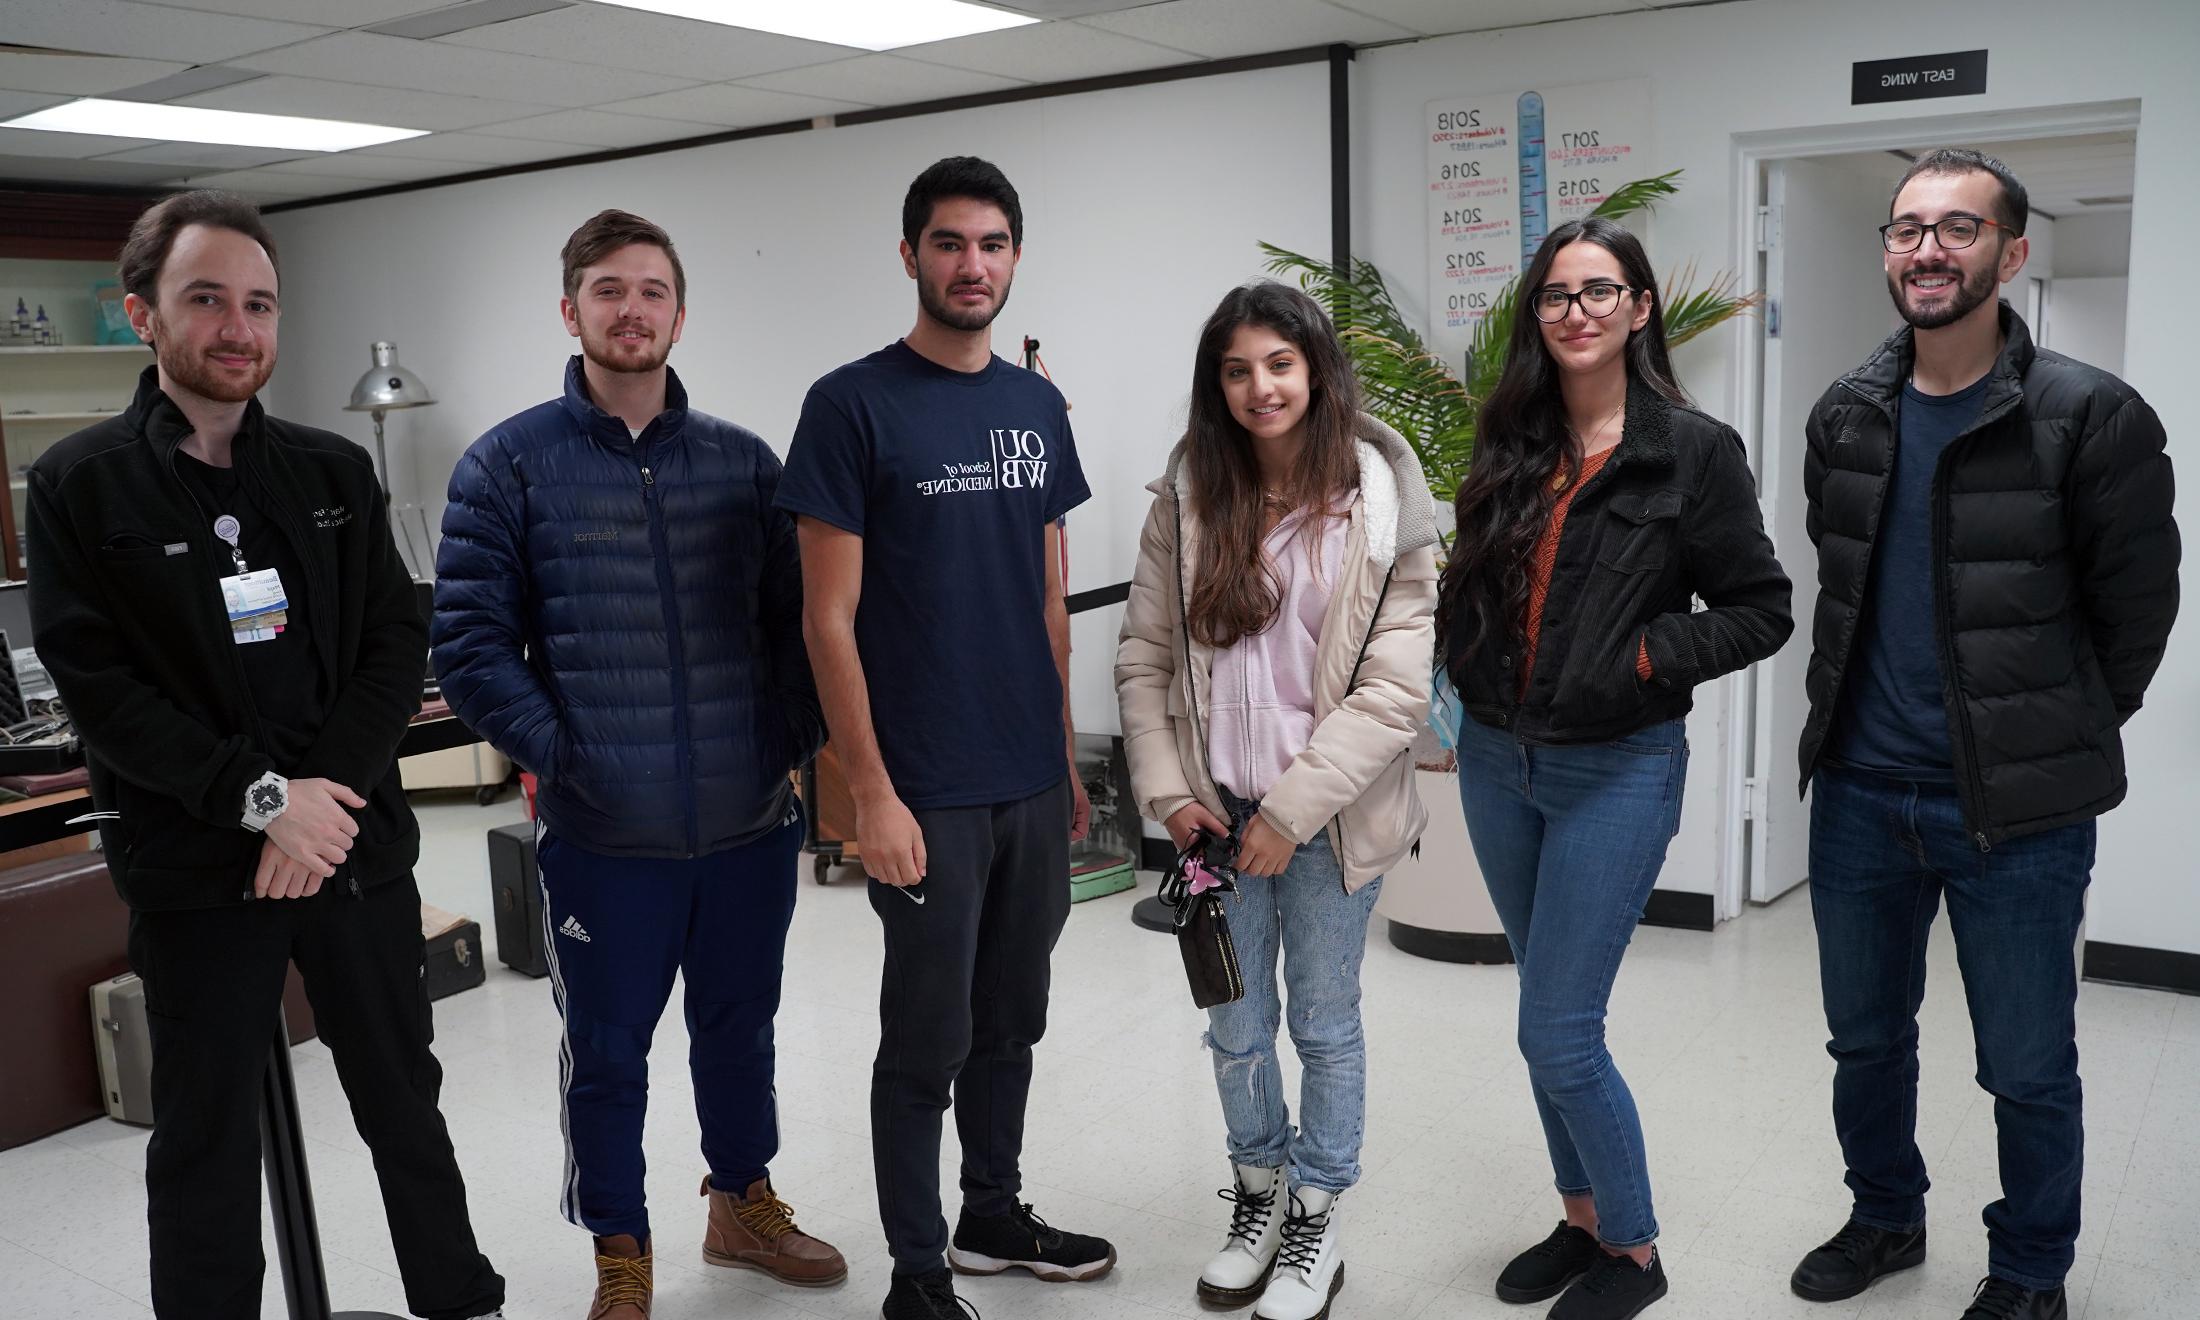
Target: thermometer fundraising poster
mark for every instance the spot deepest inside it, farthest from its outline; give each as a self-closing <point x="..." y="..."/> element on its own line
<point x="1504" y="170"/>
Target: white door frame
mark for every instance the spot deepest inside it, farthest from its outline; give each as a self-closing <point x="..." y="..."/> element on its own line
<point x="1750" y="152"/>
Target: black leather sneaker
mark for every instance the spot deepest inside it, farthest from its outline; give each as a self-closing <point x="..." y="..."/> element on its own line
<point x="1852" y="1259"/>
<point x="1020" y="1240"/>
<point x="1543" y="1270"/>
<point x="926" y="1297"/>
<point x="1999" y="1299"/>
<point x="1615" y="1288"/>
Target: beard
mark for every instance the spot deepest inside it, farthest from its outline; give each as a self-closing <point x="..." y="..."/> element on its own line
<point x="190" y="369"/>
<point x="611" y="355"/>
<point x="1971" y="290"/>
<point x="935" y="304"/>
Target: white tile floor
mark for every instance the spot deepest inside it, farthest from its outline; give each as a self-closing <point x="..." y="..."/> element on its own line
<point x="1720" y="1035"/>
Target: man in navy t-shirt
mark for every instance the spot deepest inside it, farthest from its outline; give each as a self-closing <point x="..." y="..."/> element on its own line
<point x="928" y="481"/>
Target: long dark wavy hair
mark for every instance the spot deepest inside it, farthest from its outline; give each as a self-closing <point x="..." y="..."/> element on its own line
<point x="1235" y="592"/>
<point x="1522" y="442"/>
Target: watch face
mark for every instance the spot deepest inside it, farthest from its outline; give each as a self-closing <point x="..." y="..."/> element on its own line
<point x="267" y="799"/>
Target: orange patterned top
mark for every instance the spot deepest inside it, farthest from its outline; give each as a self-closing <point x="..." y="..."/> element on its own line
<point x="1539" y="575"/>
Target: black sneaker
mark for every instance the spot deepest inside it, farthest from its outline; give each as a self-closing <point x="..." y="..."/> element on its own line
<point x="989" y="1244"/>
<point x="1544" y="1270"/>
<point x="1999" y="1299"/>
<point x="1615" y="1288"/>
<point x="926" y="1297"/>
<point x="1853" y="1259"/>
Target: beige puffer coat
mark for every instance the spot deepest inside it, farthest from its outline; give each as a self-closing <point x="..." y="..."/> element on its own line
<point x="1373" y="667"/>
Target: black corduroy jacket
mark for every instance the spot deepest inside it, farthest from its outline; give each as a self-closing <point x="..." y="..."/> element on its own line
<point x="127" y="614"/>
<point x="1671" y="517"/>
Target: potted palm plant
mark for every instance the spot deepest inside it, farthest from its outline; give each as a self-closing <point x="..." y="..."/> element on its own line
<point x="1433" y="901"/>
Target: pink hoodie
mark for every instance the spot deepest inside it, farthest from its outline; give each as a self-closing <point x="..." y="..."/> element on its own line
<point x="1261" y="714"/>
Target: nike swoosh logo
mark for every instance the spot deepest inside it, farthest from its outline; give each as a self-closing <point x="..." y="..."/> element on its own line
<point x="914" y="897"/>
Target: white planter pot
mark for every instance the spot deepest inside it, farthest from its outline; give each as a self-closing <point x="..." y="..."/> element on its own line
<point x="1436" y="903"/>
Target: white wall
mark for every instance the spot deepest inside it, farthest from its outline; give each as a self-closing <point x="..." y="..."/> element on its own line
<point x="1142" y="206"/>
<point x="1765" y="65"/>
<point x="2088" y="319"/>
<point x="2094" y="244"/>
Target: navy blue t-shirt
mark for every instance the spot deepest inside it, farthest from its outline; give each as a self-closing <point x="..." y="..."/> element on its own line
<point x="1894" y="711"/>
<point x="950" y="478"/>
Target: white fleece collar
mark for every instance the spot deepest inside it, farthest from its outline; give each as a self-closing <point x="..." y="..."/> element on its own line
<point x="1379" y="503"/>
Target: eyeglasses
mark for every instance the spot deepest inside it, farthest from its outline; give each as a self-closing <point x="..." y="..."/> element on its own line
<point x="1952" y="233"/>
<point x="1554" y="304"/>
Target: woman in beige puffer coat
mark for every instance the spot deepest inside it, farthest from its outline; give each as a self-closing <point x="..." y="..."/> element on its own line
<point x="1274" y="667"/>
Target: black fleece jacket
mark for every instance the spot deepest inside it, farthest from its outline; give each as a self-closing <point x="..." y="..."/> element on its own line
<point x="127" y="612"/>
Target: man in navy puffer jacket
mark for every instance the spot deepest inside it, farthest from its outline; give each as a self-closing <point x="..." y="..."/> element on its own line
<point x="618" y="608"/>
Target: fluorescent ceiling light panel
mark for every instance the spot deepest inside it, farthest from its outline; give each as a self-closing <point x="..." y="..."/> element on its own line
<point x="184" y="123"/>
<point x="866" y="24"/>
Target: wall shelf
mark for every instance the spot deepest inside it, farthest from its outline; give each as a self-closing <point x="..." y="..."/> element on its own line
<point x="48" y="391"/>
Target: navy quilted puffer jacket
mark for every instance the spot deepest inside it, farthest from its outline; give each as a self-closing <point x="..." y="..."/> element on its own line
<point x="623" y="616"/>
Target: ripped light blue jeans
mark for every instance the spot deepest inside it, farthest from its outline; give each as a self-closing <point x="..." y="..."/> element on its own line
<point x="1321" y="933"/>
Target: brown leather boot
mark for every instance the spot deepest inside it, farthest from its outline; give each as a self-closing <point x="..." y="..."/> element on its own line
<point x="756" y="1232"/>
<point x="622" y="1279"/>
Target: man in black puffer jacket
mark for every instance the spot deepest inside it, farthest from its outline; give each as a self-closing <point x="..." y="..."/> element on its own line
<point x="618" y="607"/>
<point x="1998" y="577"/>
<point x="245" y="764"/>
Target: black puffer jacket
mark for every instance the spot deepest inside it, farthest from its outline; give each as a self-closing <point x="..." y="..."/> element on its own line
<point x="2057" y="580"/>
<point x="1671" y="517"/>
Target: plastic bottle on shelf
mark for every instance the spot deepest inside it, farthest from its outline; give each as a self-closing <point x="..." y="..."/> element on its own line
<point x="22" y="324"/>
<point x="41" y="328"/>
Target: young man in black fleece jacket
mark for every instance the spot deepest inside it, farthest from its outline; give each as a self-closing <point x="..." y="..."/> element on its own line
<point x="246" y="776"/>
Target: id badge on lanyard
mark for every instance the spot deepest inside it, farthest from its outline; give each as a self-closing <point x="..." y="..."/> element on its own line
<point x="259" y="608"/>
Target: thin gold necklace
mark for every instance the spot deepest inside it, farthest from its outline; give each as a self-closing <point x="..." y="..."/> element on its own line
<point x="1558" y="479"/>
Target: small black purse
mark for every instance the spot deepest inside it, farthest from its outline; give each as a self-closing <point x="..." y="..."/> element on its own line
<point x="1202" y="926"/>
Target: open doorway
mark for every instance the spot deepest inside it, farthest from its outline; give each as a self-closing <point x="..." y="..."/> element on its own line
<point x="1815" y="203"/>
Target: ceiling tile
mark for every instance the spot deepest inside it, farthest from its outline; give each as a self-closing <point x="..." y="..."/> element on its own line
<point x="22" y="103"/>
<point x="460" y="17"/>
<point x="362" y="104"/>
<point x="334" y="13"/>
<point x="203" y="155"/>
<point x="1047" y="52"/>
<point x="437" y="66"/>
<point x="204" y="78"/>
<point x="1434" y="17"/>
<point x="881" y="80"/>
<point x="63" y="146"/>
<point x="77" y="75"/>
<point x="113" y="174"/>
<point x="118" y="27"/>
<point x="1223" y="28"/>
<point x="729" y="106"/>
<point x="1067" y="8"/>
<point x="656" y="43"/>
<point x="600" y="128"/>
<point x="475" y="149"/>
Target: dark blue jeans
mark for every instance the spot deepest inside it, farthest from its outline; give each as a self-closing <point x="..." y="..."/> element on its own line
<point x="1570" y="841"/>
<point x="1883" y="853"/>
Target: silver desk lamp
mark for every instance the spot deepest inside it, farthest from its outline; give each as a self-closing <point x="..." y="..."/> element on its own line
<point x="385" y="388"/>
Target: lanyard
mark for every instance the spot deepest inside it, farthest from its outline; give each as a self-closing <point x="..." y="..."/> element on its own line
<point x="228" y="529"/>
